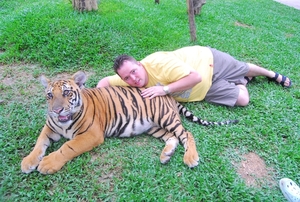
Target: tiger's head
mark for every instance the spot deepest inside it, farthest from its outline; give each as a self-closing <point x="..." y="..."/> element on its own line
<point x="63" y="97"/>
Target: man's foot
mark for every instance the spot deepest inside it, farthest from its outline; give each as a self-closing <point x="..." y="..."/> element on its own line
<point x="282" y="80"/>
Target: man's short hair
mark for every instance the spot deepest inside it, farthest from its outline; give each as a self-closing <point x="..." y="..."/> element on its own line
<point x="120" y="60"/>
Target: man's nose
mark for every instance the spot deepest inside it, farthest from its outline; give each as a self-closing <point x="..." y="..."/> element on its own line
<point x="132" y="77"/>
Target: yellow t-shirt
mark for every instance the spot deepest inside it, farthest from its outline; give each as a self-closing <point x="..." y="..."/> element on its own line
<point x="164" y="68"/>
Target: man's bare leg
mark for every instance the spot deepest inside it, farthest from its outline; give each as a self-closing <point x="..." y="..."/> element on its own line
<point x="255" y="70"/>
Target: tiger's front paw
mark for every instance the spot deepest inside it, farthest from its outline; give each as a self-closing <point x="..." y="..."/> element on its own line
<point x="50" y="164"/>
<point x="191" y="158"/>
<point x="29" y="163"/>
<point x="165" y="156"/>
<point x="169" y="150"/>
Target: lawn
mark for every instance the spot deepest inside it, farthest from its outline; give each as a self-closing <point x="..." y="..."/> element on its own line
<point x="49" y="37"/>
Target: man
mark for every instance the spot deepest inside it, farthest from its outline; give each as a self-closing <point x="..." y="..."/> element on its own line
<point x="189" y="74"/>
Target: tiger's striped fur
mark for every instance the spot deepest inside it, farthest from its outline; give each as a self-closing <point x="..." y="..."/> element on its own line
<point x="87" y="116"/>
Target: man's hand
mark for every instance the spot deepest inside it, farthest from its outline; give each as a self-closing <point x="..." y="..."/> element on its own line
<point x="153" y="92"/>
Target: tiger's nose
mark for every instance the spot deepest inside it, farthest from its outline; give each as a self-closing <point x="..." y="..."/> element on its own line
<point x="58" y="110"/>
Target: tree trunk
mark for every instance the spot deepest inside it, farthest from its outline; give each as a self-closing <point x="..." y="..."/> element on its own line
<point x="192" y="20"/>
<point x="85" y="5"/>
<point x="197" y="5"/>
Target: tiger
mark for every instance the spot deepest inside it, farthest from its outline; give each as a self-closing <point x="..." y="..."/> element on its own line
<point x="86" y="116"/>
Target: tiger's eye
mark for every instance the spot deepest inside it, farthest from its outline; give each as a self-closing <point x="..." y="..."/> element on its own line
<point x="66" y="92"/>
<point x="49" y="95"/>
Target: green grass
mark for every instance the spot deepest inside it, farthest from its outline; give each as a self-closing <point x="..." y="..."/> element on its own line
<point x="49" y="37"/>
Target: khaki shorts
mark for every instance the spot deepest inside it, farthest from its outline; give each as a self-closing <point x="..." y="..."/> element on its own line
<point x="228" y="72"/>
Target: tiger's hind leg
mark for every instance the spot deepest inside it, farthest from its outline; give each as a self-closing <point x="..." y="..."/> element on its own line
<point x="190" y="157"/>
<point x="170" y="140"/>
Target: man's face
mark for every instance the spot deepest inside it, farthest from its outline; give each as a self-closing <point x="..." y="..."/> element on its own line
<point x="134" y="74"/>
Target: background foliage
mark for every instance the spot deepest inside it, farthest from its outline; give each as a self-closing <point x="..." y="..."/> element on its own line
<point x="49" y="37"/>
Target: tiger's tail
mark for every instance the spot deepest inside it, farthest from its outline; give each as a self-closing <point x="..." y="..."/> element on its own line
<point x="190" y="116"/>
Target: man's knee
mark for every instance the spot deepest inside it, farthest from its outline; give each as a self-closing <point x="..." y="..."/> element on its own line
<point x="242" y="101"/>
<point x="243" y="98"/>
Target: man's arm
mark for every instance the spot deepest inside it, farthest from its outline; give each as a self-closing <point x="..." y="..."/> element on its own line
<point x="186" y="82"/>
<point x="182" y="84"/>
<point x="103" y="82"/>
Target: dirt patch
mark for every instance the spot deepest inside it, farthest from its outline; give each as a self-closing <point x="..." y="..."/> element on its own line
<point x="21" y="82"/>
<point x="254" y="171"/>
<point x="18" y="83"/>
<point x="12" y="74"/>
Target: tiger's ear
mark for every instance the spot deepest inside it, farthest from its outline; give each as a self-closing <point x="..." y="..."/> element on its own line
<point x="44" y="81"/>
<point x="79" y="78"/>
